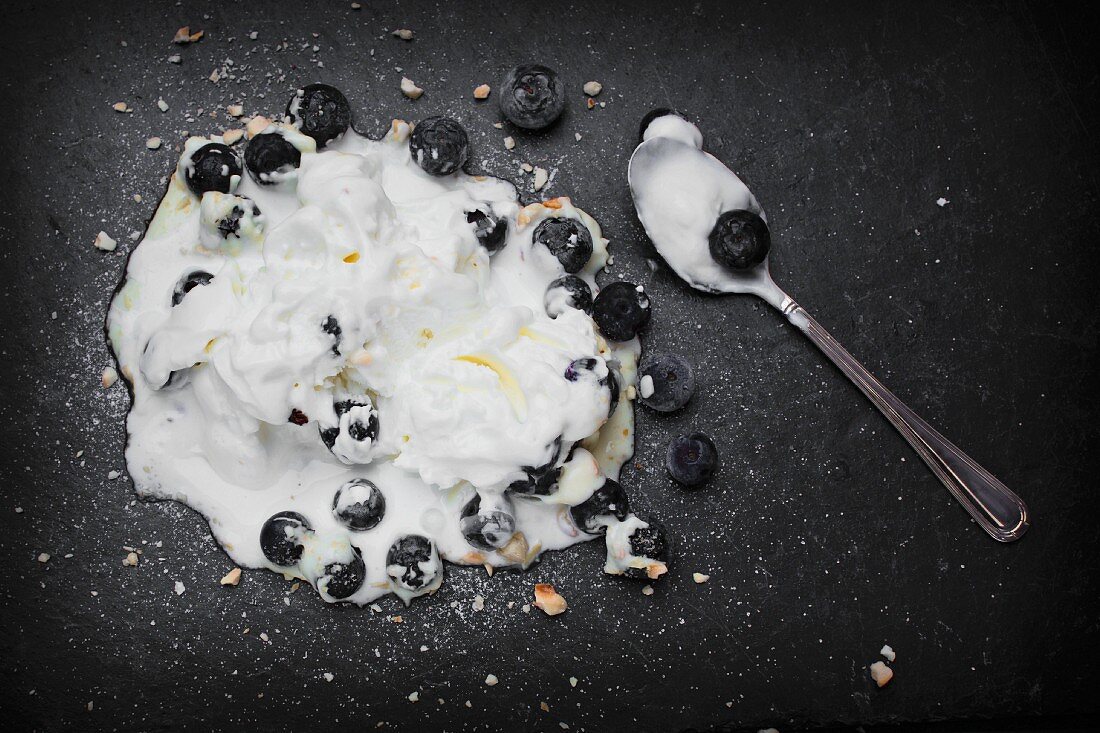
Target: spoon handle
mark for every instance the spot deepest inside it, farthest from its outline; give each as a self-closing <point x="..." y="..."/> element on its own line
<point x="992" y="505"/>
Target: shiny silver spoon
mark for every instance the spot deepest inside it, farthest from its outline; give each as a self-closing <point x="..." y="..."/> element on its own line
<point x="678" y="192"/>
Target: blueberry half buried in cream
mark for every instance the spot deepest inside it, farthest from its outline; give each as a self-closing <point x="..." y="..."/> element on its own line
<point x="349" y="384"/>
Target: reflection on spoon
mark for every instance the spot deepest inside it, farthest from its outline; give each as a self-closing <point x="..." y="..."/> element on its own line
<point x="692" y="205"/>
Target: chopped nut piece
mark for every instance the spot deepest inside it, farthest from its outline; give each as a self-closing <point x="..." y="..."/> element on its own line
<point x="404" y="34"/>
<point x="179" y="588"/>
<point x="700" y="577"/>
<point x="104" y="242"/>
<point x="410" y="89"/>
<point x="329" y="676"/>
<point x="541" y="178"/>
<point x="183" y="35"/>
<point x="516" y="549"/>
<point x="44" y="557"/>
<point x="577" y="136"/>
<point x="549" y="600"/>
<point x="479" y="603"/>
<point x="888" y="652"/>
<point x="509" y="142"/>
<point x="498" y="125"/>
<point x="356" y="6"/>
<point x="162" y="105"/>
<point x="109" y="377"/>
<point x="592" y="88"/>
<point x="414" y="697"/>
<point x="590" y="103"/>
<point x="491" y="680"/>
<point x="881" y="674"/>
<point x="196" y="36"/>
<point x="175" y="58"/>
<point x="231" y="578"/>
<point x="120" y="107"/>
<point x="112" y="475"/>
<point x="572" y="681"/>
<point x="544" y="707"/>
<point x="481" y="91"/>
<point x="235" y="110"/>
<point x="215" y="76"/>
<point x="230" y="137"/>
<point x="647" y="590"/>
<point x="153" y="143"/>
<point x="256" y="125"/>
<point x="527" y="167"/>
<point x="131" y="560"/>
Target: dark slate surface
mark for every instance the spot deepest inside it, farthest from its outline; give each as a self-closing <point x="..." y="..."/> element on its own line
<point x="824" y="535"/>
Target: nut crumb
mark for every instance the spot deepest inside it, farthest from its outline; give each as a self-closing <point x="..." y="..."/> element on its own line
<point x="498" y="125"/>
<point x="481" y="91"/>
<point x="544" y="707"/>
<point x="104" y="242"/>
<point x="527" y="167"/>
<point x="592" y="88"/>
<point x="572" y="681"/>
<point x="231" y="137"/>
<point x="590" y="103"/>
<point x="404" y="34"/>
<point x="162" y="105"/>
<point x="549" y="600"/>
<point x="235" y="110"/>
<point x="153" y="143"/>
<point x="329" y="676"/>
<point x="356" y="6"/>
<point x="410" y="89"/>
<point x="109" y="377"/>
<point x="479" y="603"/>
<point x="881" y="674"/>
<point x="509" y="143"/>
<point x="121" y="107"/>
<point x="131" y="560"/>
<point x="541" y="178"/>
<point x="700" y="577"/>
<point x="647" y="590"/>
<point x="256" y="125"/>
<point x="44" y="557"/>
<point x="888" y="652"/>
<point x="491" y="680"/>
<point x="231" y="578"/>
<point x="184" y="36"/>
<point x="414" y="697"/>
<point x="179" y="588"/>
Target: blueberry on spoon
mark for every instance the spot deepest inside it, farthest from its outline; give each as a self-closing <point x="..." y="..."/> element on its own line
<point x="532" y="96"/>
<point x="739" y="240"/>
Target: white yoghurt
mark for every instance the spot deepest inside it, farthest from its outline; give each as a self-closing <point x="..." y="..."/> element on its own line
<point x="359" y="278"/>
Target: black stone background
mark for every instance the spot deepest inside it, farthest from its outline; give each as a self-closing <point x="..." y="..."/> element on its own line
<point x="825" y="537"/>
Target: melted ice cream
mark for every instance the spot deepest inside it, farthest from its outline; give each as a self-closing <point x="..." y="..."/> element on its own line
<point x="358" y="278"/>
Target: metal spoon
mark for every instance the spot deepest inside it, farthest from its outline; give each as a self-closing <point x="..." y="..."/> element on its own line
<point x="992" y="505"/>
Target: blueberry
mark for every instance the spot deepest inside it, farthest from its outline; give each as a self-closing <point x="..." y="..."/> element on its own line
<point x="342" y="579"/>
<point x="567" y="239"/>
<point x="270" y="158"/>
<point x="332" y="327"/>
<point x="691" y="459"/>
<point x="404" y="559"/>
<point x="439" y="145"/>
<point x="540" y="480"/>
<point x="608" y="500"/>
<point x="739" y="240"/>
<point x="532" y="96"/>
<point x="578" y="368"/>
<point x="621" y="310"/>
<point x="359" y="505"/>
<point x="362" y="426"/>
<point x="321" y="111"/>
<point x="491" y="230"/>
<point x="280" y="538"/>
<point x="230" y="224"/>
<point x="189" y="282"/>
<point x="614" y="386"/>
<point x="673" y="382"/>
<point x="568" y="291"/>
<point x="487" y="528"/>
<point x="650" y="542"/>
<point x="212" y="168"/>
<point x="654" y="114"/>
